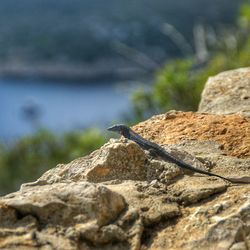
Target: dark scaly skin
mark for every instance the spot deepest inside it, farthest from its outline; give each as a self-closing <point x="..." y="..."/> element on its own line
<point x="158" y="150"/>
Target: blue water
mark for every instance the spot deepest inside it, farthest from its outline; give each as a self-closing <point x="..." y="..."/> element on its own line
<point x="59" y="106"/>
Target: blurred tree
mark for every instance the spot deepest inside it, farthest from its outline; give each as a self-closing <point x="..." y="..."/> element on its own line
<point x="179" y="84"/>
<point x="33" y="155"/>
<point x="244" y="18"/>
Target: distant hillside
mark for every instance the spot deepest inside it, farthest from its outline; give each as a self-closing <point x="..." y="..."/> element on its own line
<point x="90" y="30"/>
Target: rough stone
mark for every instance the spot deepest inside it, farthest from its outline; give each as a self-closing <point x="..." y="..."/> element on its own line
<point x="191" y="190"/>
<point x="108" y="163"/>
<point x="219" y="223"/>
<point x="130" y="214"/>
<point x="67" y="203"/>
<point x="227" y="93"/>
<point x="232" y="132"/>
<point x="152" y="208"/>
<point x="60" y="205"/>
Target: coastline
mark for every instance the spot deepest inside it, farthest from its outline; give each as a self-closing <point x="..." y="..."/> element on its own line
<point x="70" y="71"/>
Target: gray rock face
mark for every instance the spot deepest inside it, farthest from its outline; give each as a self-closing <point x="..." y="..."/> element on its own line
<point x="67" y="203"/>
<point x="76" y="209"/>
<point x="227" y="93"/>
<point x="110" y="162"/>
<point x="70" y="213"/>
<point x="227" y="232"/>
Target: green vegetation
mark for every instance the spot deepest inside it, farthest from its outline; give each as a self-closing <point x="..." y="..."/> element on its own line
<point x="178" y="86"/>
<point x="31" y="156"/>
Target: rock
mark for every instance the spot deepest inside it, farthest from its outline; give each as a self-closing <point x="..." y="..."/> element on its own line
<point x="158" y="211"/>
<point x="231" y="132"/>
<point x="106" y="234"/>
<point x="108" y="163"/>
<point x="227" y="230"/>
<point x="67" y="203"/>
<point x="188" y="190"/>
<point x="151" y="207"/>
<point x="120" y="197"/>
<point x="62" y="205"/>
<point x="227" y="93"/>
<point x="218" y="223"/>
<point x="153" y="213"/>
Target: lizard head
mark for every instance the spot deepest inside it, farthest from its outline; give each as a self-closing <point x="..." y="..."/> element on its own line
<point x="120" y="129"/>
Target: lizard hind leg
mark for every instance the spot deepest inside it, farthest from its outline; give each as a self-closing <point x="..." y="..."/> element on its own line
<point x="152" y="152"/>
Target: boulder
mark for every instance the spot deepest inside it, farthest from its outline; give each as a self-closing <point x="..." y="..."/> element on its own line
<point x="227" y="93"/>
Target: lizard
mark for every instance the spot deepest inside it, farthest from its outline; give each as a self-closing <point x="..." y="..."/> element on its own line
<point x="157" y="150"/>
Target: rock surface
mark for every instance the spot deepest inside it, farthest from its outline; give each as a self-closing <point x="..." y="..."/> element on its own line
<point x="227" y="93"/>
<point x="120" y="197"/>
<point x="232" y="132"/>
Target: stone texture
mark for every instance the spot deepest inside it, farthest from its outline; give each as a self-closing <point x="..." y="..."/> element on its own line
<point x="75" y="209"/>
<point x="232" y="132"/>
<point x="227" y="93"/>
<point x="218" y="223"/>
<point x="108" y="163"/>
<point x="129" y="214"/>
<point x="119" y="197"/>
<point x="67" y="203"/>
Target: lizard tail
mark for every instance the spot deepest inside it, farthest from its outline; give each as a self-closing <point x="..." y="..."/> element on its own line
<point x="185" y="165"/>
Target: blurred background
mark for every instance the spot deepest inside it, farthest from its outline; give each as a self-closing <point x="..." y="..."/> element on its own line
<point x="69" y="69"/>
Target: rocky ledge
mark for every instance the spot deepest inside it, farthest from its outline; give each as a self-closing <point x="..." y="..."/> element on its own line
<point x="119" y="197"/>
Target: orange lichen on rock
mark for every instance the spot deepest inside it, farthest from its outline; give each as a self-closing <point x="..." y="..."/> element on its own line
<point x="231" y="131"/>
